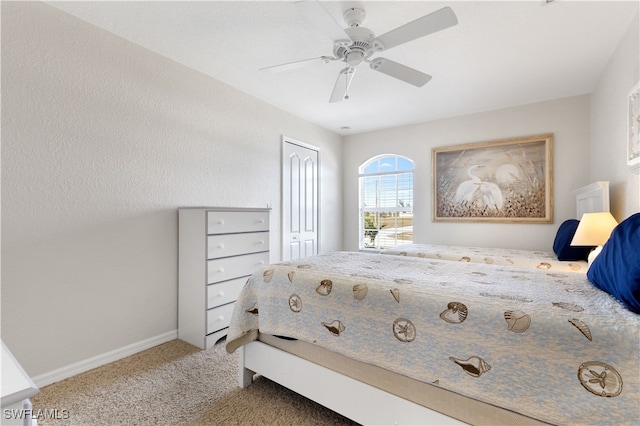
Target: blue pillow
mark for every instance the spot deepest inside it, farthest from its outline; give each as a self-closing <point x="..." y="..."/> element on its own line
<point x="616" y="270"/>
<point x="562" y="243"/>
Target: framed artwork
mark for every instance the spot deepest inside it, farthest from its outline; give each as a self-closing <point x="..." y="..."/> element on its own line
<point x="508" y="180"/>
<point x="633" y="120"/>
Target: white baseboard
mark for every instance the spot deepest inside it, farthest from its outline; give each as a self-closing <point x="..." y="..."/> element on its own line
<point x="62" y="373"/>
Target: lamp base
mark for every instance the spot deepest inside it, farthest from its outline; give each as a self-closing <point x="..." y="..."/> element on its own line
<point x="593" y="254"/>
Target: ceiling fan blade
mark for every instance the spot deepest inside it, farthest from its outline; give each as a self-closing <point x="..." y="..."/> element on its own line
<point x="297" y="64"/>
<point x="342" y="85"/>
<point x="399" y="71"/>
<point x="428" y="24"/>
<point x="321" y="19"/>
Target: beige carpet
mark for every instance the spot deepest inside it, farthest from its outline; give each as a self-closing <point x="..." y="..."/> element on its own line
<point x="175" y="384"/>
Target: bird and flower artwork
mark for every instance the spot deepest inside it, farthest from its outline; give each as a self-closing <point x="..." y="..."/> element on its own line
<point x="499" y="181"/>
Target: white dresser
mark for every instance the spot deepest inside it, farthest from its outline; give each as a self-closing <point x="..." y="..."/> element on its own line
<point x="219" y="248"/>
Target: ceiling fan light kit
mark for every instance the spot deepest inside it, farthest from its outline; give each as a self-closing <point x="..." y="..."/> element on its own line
<point x="356" y="44"/>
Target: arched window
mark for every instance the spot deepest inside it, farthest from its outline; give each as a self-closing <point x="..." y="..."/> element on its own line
<point x="386" y="202"/>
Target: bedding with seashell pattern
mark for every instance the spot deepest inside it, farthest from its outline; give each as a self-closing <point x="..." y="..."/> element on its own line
<point x="498" y="256"/>
<point x="545" y="344"/>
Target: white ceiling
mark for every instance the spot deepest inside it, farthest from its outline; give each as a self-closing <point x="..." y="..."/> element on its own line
<point x="501" y="53"/>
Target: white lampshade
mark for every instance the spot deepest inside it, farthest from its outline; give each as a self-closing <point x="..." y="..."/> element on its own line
<point x="594" y="229"/>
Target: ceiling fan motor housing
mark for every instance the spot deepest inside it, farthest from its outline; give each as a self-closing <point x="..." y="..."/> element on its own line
<point x="358" y="49"/>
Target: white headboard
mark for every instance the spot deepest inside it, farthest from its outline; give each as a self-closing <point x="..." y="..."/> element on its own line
<point x="592" y="198"/>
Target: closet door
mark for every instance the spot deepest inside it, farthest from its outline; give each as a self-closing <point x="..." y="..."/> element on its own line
<point x="299" y="200"/>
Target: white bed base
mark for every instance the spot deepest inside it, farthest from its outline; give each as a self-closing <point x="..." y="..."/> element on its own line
<point x="351" y="398"/>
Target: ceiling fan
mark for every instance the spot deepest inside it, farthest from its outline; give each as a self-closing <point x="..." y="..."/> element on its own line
<point x="357" y="44"/>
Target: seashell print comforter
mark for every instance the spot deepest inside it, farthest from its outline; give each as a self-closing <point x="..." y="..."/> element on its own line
<point x="545" y="344"/>
<point x="498" y="256"/>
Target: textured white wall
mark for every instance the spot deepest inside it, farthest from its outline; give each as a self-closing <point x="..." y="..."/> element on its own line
<point x="608" y="125"/>
<point x="567" y="119"/>
<point x="102" y="141"/>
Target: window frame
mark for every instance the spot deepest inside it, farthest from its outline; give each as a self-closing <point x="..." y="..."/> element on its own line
<point x="377" y="210"/>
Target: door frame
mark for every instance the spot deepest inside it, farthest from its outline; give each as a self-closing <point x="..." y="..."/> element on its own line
<point x="286" y="139"/>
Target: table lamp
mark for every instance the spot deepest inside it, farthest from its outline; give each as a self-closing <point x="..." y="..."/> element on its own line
<point x="594" y="230"/>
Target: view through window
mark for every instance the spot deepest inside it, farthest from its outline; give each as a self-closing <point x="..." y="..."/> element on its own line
<point x="386" y="202"/>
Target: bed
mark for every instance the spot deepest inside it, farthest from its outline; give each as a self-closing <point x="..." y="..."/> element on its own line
<point x="499" y="256"/>
<point x="412" y="340"/>
<point x="563" y="258"/>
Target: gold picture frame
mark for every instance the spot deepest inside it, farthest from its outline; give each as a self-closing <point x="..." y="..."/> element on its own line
<point x="508" y="180"/>
<point x="633" y="120"/>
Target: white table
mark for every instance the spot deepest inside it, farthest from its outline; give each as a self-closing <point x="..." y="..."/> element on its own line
<point x="17" y="388"/>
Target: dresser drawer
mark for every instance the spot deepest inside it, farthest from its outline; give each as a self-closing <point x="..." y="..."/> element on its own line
<point x="234" y="244"/>
<point x="228" y="222"/>
<point x="235" y="267"/>
<point x="225" y="292"/>
<point x="219" y="318"/>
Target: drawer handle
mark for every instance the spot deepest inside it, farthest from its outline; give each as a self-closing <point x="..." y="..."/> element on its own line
<point x="220" y="246"/>
<point x="262" y="262"/>
<point x="220" y="318"/>
<point x="221" y="294"/>
<point x="221" y="222"/>
<point x="261" y="242"/>
<point x="220" y="269"/>
<point x="261" y="221"/>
